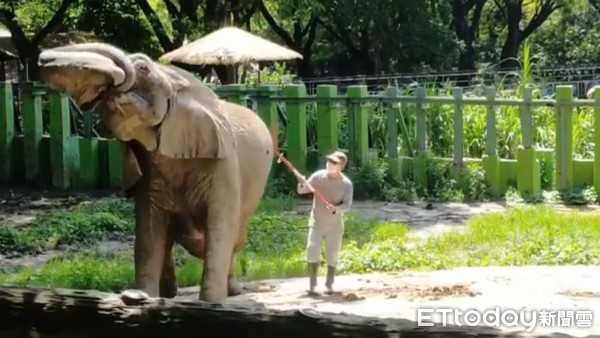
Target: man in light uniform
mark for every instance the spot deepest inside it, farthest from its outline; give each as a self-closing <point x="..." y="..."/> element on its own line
<point x="326" y="222"/>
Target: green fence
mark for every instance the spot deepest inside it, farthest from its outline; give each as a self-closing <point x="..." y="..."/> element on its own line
<point x="49" y="154"/>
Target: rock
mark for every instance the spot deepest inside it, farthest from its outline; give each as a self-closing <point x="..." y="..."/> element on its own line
<point x="133" y="297"/>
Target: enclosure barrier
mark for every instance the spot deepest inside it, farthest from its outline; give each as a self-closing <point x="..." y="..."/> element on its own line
<point x="53" y="157"/>
<point x="29" y="312"/>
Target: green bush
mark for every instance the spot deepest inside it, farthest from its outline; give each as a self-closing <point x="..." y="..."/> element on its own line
<point x="14" y="243"/>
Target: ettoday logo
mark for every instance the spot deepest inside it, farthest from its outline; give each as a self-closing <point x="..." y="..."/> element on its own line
<point x="497" y="317"/>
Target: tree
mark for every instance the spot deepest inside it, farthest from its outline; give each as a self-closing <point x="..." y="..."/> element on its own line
<point x="28" y="48"/>
<point x="595" y="4"/>
<point x="467" y="31"/>
<point x="576" y="28"/>
<point x="133" y="33"/>
<point x="299" y="17"/>
<point x="388" y="35"/>
<point x="186" y="20"/>
<point x="513" y="13"/>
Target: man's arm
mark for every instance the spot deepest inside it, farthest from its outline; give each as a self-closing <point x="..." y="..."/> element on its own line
<point x="347" y="199"/>
<point x="302" y="187"/>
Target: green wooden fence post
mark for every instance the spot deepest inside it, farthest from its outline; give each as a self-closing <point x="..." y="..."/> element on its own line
<point x="392" y="124"/>
<point x="421" y="124"/>
<point x="597" y="141"/>
<point x="564" y="137"/>
<point x="60" y="139"/>
<point x="89" y="171"/>
<point x="103" y="162"/>
<point x="235" y="93"/>
<point x="457" y="92"/>
<point x="528" y="174"/>
<point x="420" y="161"/>
<point x="490" y="160"/>
<point x="88" y="124"/>
<point x="267" y="110"/>
<point x="33" y="132"/>
<point x="392" y="116"/>
<point x="89" y="157"/>
<point x="296" y="127"/>
<point x="358" y="123"/>
<point x="327" y="121"/>
<point x="7" y="133"/>
<point x="406" y="148"/>
<point x="115" y="163"/>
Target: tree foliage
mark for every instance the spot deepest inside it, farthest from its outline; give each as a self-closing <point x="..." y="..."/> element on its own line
<point x="336" y="37"/>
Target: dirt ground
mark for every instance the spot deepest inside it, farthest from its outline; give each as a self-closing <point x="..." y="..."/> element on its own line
<point x="385" y="295"/>
<point x="399" y="295"/>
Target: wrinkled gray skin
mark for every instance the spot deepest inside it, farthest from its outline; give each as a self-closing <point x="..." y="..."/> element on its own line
<point x="195" y="165"/>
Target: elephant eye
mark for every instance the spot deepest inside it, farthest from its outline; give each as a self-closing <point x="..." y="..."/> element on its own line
<point x="142" y="67"/>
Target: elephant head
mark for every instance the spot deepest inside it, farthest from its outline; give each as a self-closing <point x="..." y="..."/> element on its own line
<point x="164" y="108"/>
<point x="86" y="71"/>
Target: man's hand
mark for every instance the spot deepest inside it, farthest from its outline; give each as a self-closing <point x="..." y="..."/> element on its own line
<point x="301" y="180"/>
<point x="302" y="183"/>
<point x="332" y="208"/>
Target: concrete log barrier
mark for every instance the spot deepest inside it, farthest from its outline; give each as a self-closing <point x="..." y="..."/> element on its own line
<point x="65" y="313"/>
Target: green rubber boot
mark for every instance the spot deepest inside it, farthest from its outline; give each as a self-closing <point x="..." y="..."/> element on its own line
<point x="312" y="269"/>
<point x="330" y="279"/>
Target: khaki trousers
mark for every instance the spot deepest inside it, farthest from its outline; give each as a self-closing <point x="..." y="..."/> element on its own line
<point x="332" y="234"/>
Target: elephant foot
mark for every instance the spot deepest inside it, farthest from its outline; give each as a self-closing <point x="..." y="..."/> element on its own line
<point x="168" y="289"/>
<point x="213" y="295"/>
<point x="234" y="288"/>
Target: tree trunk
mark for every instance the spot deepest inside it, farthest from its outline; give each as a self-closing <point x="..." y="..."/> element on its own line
<point x="510" y="49"/>
<point x="466" y="60"/>
<point x="304" y="65"/>
<point x="466" y="31"/>
<point x="79" y="313"/>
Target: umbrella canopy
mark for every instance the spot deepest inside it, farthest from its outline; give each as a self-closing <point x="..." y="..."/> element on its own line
<point x="7" y="51"/>
<point x="229" y="46"/>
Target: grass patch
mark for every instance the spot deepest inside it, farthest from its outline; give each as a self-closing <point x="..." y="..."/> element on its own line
<point x="86" y="225"/>
<point x="521" y="236"/>
<point x="82" y="225"/>
<point x="276" y="248"/>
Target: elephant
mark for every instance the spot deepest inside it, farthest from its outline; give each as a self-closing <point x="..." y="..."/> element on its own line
<point x="195" y="166"/>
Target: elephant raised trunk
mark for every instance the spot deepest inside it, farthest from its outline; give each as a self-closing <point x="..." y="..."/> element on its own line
<point x="114" y="54"/>
<point x="105" y="67"/>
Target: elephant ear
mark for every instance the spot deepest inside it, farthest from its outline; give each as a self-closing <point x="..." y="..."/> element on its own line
<point x="196" y="127"/>
<point x="131" y="169"/>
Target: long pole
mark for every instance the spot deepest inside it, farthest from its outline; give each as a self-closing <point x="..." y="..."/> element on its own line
<point x="317" y="194"/>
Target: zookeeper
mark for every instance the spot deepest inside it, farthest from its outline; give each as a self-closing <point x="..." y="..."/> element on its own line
<point x="327" y="222"/>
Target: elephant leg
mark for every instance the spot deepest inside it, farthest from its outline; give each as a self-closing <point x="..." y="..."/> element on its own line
<point x="150" y="239"/>
<point x="233" y="286"/>
<point x="221" y="233"/>
<point x="168" y="279"/>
